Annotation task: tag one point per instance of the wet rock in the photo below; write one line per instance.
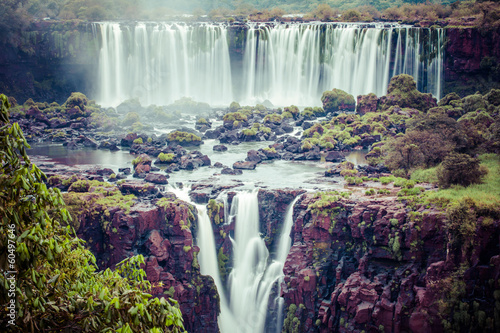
(126, 171)
(244, 165)
(229, 171)
(138, 188)
(255, 156)
(156, 178)
(335, 157)
(220, 148)
(128, 140)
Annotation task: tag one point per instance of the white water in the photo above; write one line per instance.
(159, 63)
(286, 64)
(295, 64)
(254, 274)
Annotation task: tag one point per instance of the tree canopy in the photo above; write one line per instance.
(58, 287)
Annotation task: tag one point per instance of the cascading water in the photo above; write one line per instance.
(162, 62)
(295, 63)
(283, 63)
(253, 275)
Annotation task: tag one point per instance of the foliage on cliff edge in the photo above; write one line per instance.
(57, 286)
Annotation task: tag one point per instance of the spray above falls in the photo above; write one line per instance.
(285, 64)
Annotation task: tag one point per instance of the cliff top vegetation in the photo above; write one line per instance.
(17, 14)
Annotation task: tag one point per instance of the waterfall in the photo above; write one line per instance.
(159, 63)
(295, 63)
(254, 273)
(292, 63)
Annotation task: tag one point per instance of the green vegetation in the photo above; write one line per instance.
(214, 211)
(337, 100)
(58, 286)
(183, 138)
(166, 157)
(460, 169)
(485, 195)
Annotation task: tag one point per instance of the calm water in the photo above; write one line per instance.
(272, 174)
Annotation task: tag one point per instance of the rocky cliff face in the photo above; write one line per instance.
(162, 231)
(472, 60)
(380, 266)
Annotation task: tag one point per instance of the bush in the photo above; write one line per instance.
(166, 157)
(460, 169)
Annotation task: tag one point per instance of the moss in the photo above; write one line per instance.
(249, 132)
(183, 137)
(166, 157)
(337, 100)
(273, 118)
(214, 209)
(76, 99)
(138, 141)
(235, 116)
(130, 119)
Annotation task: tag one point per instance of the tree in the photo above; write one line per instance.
(460, 169)
(57, 286)
(415, 149)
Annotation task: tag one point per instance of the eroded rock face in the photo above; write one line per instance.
(374, 266)
(162, 232)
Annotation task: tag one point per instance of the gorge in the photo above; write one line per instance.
(272, 177)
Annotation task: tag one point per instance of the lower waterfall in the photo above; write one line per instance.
(244, 301)
(254, 274)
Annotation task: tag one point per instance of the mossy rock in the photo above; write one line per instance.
(77, 99)
(338, 100)
(130, 119)
(402, 91)
(184, 138)
(446, 100)
(474, 102)
(493, 97)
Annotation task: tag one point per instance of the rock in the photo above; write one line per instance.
(128, 140)
(287, 128)
(126, 171)
(245, 165)
(104, 172)
(108, 145)
(335, 157)
(306, 125)
(220, 148)
(338, 100)
(156, 178)
(402, 92)
(366, 103)
(229, 171)
(138, 188)
(255, 156)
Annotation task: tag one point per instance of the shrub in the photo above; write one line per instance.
(166, 157)
(460, 169)
(76, 99)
